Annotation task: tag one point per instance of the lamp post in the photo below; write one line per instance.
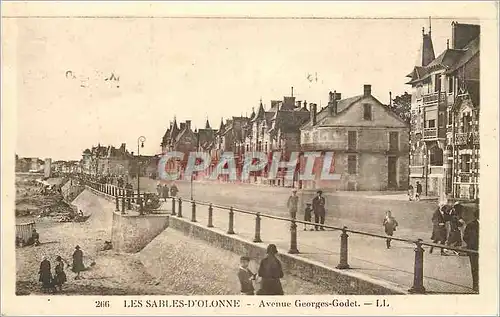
(140, 141)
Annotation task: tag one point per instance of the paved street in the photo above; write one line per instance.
(367, 255)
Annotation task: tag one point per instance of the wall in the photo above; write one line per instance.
(342, 282)
(132, 233)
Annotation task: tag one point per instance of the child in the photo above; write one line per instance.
(307, 215)
(246, 277)
(390, 225)
(410, 193)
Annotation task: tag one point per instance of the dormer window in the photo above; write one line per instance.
(367, 111)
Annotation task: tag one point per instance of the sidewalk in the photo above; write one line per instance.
(442, 274)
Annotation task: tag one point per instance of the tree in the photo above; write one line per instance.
(401, 106)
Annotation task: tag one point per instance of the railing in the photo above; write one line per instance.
(461, 138)
(434, 97)
(475, 137)
(177, 211)
(465, 177)
(430, 133)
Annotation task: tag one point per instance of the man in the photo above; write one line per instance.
(439, 233)
(419, 191)
(34, 239)
(318, 205)
(292, 204)
(471, 238)
(78, 262)
(246, 277)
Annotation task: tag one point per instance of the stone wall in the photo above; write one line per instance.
(339, 281)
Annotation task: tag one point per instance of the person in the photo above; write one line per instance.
(246, 277)
(159, 189)
(80, 214)
(410, 192)
(78, 262)
(271, 272)
(45, 274)
(292, 204)
(455, 219)
(419, 191)
(173, 190)
(34, 239)
(308, 215)
(165, 192)
(439, 219)
(59, 275)
(471, 238)
(318, 205)
(390, 224)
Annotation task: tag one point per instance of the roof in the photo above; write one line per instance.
(342, 105)
(468, 53)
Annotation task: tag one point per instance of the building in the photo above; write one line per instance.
(369, 141)
(444, 152)
(106, 160)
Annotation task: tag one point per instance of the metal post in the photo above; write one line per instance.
(231, 221)
(418, 273)
(343, 264)
(123, 204)
(210, 216)
(257, 228)
(179, 212)
(173, 206)
(129, 201)
(141, 206)
(293, 238)
(193, 211)
(117, 203)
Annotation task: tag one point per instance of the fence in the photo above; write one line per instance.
(24, 231)
(177, 210)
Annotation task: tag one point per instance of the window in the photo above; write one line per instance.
(352, 140)
(466, 123)
(367, 111)
(466, 163)
(431, 123)
(436, 156)
(393, 141)
(450, 118)
(450, 84)
(352, 163)
(437, 83)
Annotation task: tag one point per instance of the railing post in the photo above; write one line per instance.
(141, 206)
(179, 212)
(230, 230)
(344, 251)
(257, 228)
(293, 238)
(123, 204)
(117, 203)
(418, 273)
(129, 200)
(193, 211)
(210, 216)
(173, 206)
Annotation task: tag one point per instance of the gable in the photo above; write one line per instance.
(353, 116)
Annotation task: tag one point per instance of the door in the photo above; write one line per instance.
(392, 172)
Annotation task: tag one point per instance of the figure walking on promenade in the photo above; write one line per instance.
(308, 215)
(292, 204)
(173, 190)
(456, 221)
(390, 223)
(165, 192)
(271, 272)
(439, 219)
(419, 191)
(78, 262)
(318, 205)
(471, 238)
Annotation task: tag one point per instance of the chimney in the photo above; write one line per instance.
(390, 99)
(292, 91)
(183, 125)
(188, 124)
(299, 104)
(367, 90)
(313, 113)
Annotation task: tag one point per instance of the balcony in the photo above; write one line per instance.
(467, 138)
(416, 171)
(475, 137)
(430, 133)
(465, 177)
(434, 98)
(436, 170)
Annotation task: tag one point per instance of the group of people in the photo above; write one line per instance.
(54, 282)
(269, 275)
(317, 206)
(164, 191)
(414, 194)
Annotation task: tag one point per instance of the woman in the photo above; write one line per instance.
(59, 275)
(439, 233)
(456, 222)
(270, 272)
(45, 275)
(78, 262)
(165, 192)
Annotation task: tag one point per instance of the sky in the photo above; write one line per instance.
(193, 69)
